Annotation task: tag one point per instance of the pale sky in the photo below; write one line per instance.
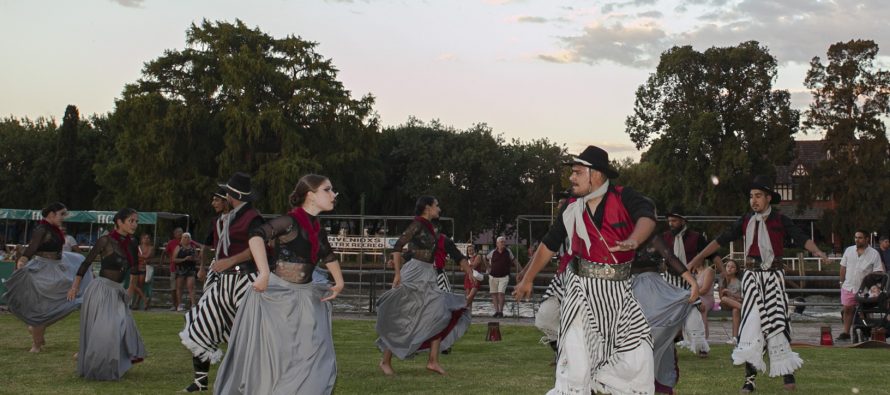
(565, 70)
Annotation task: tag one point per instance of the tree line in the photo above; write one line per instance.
(237, 99)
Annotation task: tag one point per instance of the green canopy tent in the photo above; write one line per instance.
(91, 217)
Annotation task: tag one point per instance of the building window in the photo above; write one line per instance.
(800, 171)
(786, 191)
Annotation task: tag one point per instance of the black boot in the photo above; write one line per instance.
(789, 383)
(750, 376)
(202, 369)
(555, 346)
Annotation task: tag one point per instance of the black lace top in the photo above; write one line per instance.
(422, 244)
(43, 239)
(290, 242)
(654, 255)
(113, 259)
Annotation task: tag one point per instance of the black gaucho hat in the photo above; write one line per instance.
(677, 211)
(765, 184)
(595, 158)
(238, 187)
(220, 191)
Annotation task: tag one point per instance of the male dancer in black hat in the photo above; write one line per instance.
(765, 317)
(209, 323)
(686, 244)
(604, 339)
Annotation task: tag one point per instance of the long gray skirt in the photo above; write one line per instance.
(417, 311)
(109, 340)
(665, 307)
(38, 293)
(280, 343)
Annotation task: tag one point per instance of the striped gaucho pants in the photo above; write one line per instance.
(442, 280)
(604, 340)
(209, 323)
(765, 324)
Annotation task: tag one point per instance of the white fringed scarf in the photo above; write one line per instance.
(766, 247)
(573, 216)
(680, 246)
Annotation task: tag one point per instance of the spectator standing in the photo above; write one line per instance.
(858, 261)
(884, 250)
(186, 259)
(70, 243)
(169, 250)
(501, 261)
(474, 282)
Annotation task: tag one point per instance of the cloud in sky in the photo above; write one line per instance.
(130, 3)
(633, 45)
(793, 30)
(531, 19)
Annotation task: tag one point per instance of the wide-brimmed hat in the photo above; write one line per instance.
(238, 187)
(677, 211)
(765, 184)
(595, 158)
(220, 191)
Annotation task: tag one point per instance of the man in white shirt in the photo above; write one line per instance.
(70, 243)
(859, 260)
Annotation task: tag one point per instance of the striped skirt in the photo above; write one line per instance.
(208, 324)
(604, 339)
(765, 324)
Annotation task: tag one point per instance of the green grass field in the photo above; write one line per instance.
(516, 365)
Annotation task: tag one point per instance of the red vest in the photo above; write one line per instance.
(238, 232)
(776, 231)
(617, 226)
(690, 243)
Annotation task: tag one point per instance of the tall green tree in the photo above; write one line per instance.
(712, 113)
(64, 186)
(26, 148)
(850, 103)
(238, 99)
(481, 180)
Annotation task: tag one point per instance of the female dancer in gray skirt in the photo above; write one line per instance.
(37, 293)
(109, 340)
(415, 314)
(664, 305)
(281, 337)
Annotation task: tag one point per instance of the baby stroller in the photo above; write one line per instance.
(873, 306)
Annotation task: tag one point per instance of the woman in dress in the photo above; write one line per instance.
(186, 260)
(281, 337)
(109, 341)
(472, 283)
(137, 276)
(37, 293)
(415, 315)
(731, 294)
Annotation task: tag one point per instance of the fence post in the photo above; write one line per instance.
(372, 292)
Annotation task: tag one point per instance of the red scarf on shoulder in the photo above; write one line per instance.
(124, 243)
(54, 228)
(440, 254)
(312, 227)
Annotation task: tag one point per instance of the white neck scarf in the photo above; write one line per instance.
(680, 246)
(225, 220)
(573, 216)
(766, 247)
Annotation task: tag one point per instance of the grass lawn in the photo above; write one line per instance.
(517, 365)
